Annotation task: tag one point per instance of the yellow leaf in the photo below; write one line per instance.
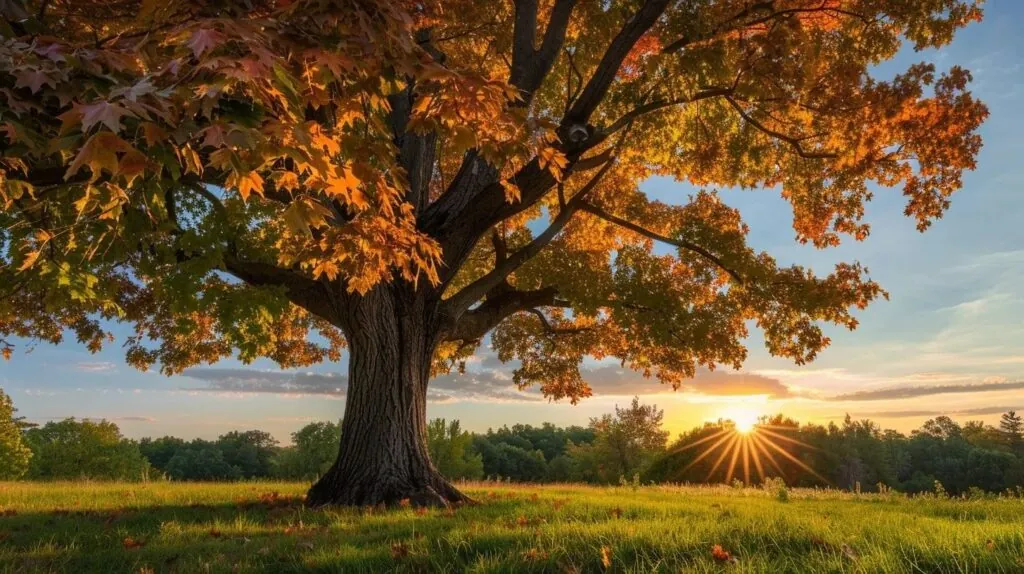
(512, 192)
(191, 161)
(248, 183)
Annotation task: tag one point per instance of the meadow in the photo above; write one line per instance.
(264, 527)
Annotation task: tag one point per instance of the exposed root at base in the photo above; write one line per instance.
(329, 491)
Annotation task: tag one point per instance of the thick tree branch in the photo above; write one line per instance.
(300, 290)
(598, 85)
(475, 177)
(680, 243)
(417, 153)
(461, 301)
(474, 324)
(529, 65)
(793, 141)
(552, 330)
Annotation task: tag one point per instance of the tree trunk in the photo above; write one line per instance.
(383, 458)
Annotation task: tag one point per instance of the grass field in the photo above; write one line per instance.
(263, 527)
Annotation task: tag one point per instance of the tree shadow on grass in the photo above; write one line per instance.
(271, 536)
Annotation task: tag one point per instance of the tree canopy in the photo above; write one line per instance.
(223, 175)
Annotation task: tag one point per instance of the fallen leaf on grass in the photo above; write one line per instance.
(535, 555)
(606, 557)
(990, 544)
(214, 533)
(722, 555)
(130, 543)
(399, 550)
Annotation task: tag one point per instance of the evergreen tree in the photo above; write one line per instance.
(1012, 426)
(14, 455)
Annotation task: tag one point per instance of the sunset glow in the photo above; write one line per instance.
(744, 417)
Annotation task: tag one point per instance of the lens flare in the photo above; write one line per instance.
(743, 443)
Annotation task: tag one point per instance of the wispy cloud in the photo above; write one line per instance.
(266, 381)
(95, 366)
(923, 391)
(613, 380)
(488, 385)
(994, 410)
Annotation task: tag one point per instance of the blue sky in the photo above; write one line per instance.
(950, 340)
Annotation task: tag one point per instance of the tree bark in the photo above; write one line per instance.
(383, 457)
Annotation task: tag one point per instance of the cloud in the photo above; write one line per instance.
(995, 410)
(490, 385)
(614, 380)
(486, 380)
(95, 366)
(132, 419)
(265, 381)
(923, 391)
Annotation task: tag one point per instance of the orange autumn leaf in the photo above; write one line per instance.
(720, 554)
(130, 543)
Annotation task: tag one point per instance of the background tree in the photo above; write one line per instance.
(14, 455)
(250, 452)
(160, 451)
(625, 444)
(506, 461)
(83, 449)
(451, 452)
(313, 449)
(403, 178)
(1012, 427)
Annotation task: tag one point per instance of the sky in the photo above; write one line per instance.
(950, 341)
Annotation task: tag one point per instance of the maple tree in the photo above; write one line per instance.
(398, 180)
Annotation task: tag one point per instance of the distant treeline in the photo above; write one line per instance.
(628, 445)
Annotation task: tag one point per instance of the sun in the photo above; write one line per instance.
(744, 417)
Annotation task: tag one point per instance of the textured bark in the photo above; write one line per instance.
(383, 456)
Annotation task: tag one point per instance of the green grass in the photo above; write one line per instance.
(190, 528)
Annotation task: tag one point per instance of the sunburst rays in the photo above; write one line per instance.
(748, 448)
